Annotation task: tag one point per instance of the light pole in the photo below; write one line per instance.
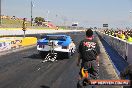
(31, 12)
(0, 13)
(130, 16)
(48, 15)
(64, 18)
(56, 19)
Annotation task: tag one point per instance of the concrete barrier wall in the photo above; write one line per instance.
(123, 48)
(17, 43)
(8, 43)
(29, 41)
(118, 44)
(33, 31)
(129, 53)
(4, 46)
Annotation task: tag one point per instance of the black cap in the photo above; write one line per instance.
(89, 32)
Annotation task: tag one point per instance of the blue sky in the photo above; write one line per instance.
(87, 13)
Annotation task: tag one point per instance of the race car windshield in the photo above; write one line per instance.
(61, 38)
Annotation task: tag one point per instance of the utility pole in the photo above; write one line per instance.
(130, 18)
(0, 13)
(48, 15)
(31, 12)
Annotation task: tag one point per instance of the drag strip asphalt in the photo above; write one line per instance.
(24, 69)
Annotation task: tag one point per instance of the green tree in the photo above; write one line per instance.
(39, 20)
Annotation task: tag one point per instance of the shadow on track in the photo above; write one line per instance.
(33, 56)
(44, 86)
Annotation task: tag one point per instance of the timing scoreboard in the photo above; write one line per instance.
(75, 24)
(105, 25)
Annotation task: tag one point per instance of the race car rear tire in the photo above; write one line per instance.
(42, 54)
(68, 55)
